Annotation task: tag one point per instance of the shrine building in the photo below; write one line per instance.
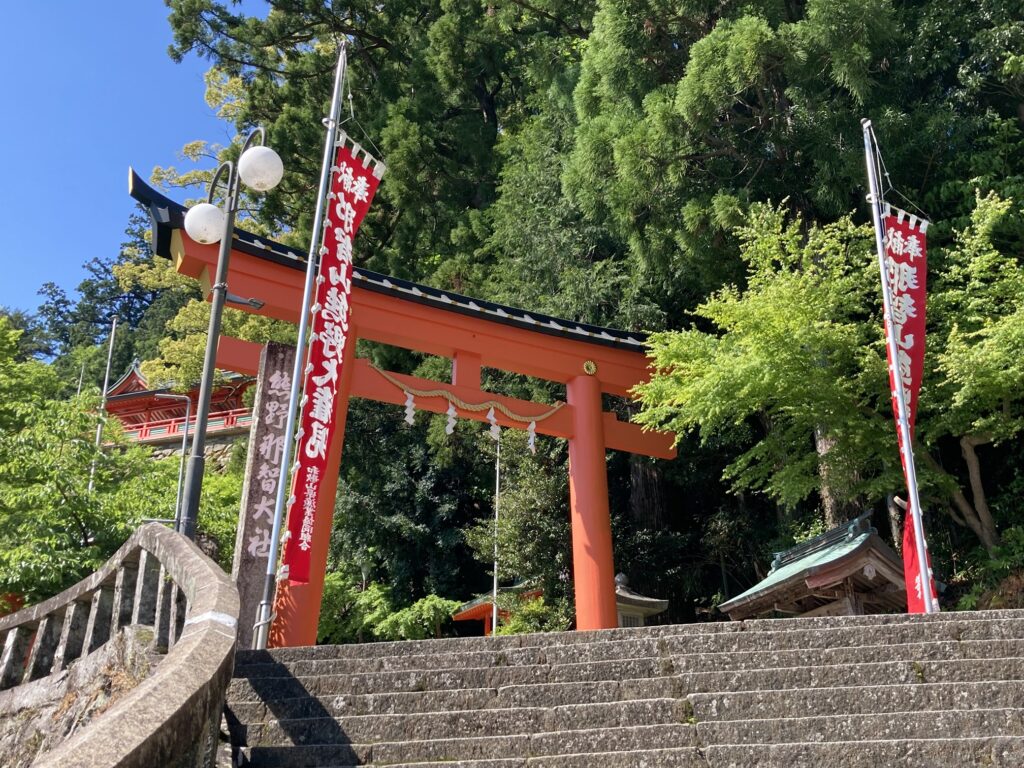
(149, 417)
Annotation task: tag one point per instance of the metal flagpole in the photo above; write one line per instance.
(907, 448)
(184, 451)
(497, 496)
(264, 618)
(103, 400)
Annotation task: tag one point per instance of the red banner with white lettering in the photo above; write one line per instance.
(906, 271)
(354, 181)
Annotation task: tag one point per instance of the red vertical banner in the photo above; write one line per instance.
(906, 271)
(911, 571)
(354, 181)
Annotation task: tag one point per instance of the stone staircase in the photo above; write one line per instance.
(942, 690)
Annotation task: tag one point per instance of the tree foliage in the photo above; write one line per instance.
(799, 352)
(65, 504)
(53, 529)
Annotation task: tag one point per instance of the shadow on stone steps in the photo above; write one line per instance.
(335, 742)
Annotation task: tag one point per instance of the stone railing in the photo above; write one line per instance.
(161, 580)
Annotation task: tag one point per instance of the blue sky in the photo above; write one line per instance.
(88, 90)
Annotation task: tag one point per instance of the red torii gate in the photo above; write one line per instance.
(588, 360)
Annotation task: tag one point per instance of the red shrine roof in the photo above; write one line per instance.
(131, 381)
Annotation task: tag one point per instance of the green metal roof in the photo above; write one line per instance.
(805, 559)
(801, 567)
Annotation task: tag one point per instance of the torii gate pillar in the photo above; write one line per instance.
(593, 566)
(298, 605)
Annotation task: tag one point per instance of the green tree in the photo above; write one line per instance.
(799, 351)
(53, 530)
(33, 341)
(351, 610)
(690, 113)
(404, 493)
(422, 620)
(533, 535)
(434, 86)
(978, 380)
(536, 615)
(789, 351)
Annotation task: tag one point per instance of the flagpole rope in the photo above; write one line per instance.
(366, 134)
(460, 403)
(888, 180)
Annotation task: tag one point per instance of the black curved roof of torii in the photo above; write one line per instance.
(168, 215)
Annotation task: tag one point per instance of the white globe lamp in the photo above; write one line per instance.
(204, 223)
(260, 168)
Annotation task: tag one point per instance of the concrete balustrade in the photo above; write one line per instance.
(158, 579)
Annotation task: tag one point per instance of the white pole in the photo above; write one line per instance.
(263, 618)
(103, 401)
(497, 497)
(901, 405)
(184, 451)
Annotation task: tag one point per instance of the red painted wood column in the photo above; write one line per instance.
(593, 566)
(466, 370)
(298, 605)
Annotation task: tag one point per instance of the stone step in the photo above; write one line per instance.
(846, 691)
(304, 756)
(604, 740)
(407, 702)
(937, 650)
(809, 641)
(490, 644)
(635, 738)
(679, 757)
(549, 686)
(889, 725)
(877, 619)
(989, 751)
(555, 694)
(269, 688)
(450, 725)
(278, 663)
(463, 645)
(863, 675)
(412, 662)
(774, 704)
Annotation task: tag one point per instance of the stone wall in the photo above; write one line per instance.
(219, 449)
(35, 718)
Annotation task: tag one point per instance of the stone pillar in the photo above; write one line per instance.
(593, 567)
(262, 470)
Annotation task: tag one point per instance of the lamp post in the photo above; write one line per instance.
(260, 168)
(184, 449)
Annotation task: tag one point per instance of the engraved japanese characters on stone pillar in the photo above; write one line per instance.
(262, 468)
